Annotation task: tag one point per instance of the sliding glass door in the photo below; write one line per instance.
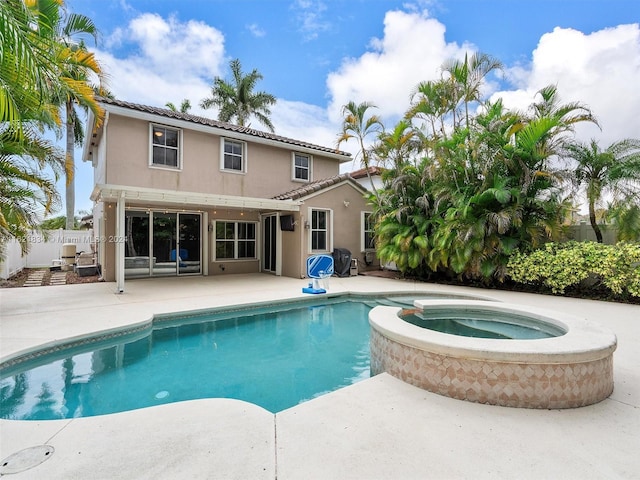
(173, 238)
(269, 250)
(189, 244)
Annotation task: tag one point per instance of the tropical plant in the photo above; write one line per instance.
(236, 99)
(25, 65)
(467, 77)
(357, 125)
(26, 192)
(75, 88)
(34, 69)
(432, 102)
(185, 106)
(58, 222)
(397, 147)
(626, 218)
(407, 217)
(559, 266)
(614, 171)
(487, 184)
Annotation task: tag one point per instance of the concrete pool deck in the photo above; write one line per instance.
(380, 428)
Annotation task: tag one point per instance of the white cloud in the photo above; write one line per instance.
(310, 16)
(173, 60)
(256, 31)
(600, 70)
(412, 50)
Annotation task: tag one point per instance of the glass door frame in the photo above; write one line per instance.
(269, 243)
(183, 266)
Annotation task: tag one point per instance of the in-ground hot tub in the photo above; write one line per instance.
(572, 369)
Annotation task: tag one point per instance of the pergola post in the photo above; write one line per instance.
(119, 239)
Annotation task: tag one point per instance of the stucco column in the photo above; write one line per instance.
(119, 239)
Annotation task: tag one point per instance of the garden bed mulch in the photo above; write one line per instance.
(19, 279)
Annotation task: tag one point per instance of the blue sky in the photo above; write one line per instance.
(315, 56)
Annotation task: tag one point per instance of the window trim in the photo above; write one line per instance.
(151, 145)
(329, 230)
(363, 232)
(235, 240)
(244, 156)
(309, 168)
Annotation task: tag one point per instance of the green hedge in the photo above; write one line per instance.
(561, 265)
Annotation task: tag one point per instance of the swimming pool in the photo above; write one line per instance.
(275, 357)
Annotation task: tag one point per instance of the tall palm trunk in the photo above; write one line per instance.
(594, 224)
(69, 167)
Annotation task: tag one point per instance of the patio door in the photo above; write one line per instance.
(174, 240)
(269, 243)
(164, 241)
(188, 243)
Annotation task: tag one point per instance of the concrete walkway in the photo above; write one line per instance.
(380, 428)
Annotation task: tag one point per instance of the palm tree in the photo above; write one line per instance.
(185, 106)
(34, 68)
(614, 171)
(431, 102)
(468, 76)
(26, 66)
(75, 88)
(237, 101)
(26, 193)
(398, 146)
(357, 125)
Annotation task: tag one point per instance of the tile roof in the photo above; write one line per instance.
(313, 187)
(373, 170)
(164, 112)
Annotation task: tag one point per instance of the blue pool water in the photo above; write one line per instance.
(275, 359)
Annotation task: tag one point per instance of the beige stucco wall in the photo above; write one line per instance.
(293, 252)
(123, 159)
(347, 229)
(269, 169)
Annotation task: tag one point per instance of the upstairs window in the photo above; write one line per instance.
(165, 146)
(233, 156)
(301, 167)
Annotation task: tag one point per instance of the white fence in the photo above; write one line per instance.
(44, 250)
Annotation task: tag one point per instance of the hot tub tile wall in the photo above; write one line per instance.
(495, 383)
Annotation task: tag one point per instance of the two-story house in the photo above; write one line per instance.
(178, 194)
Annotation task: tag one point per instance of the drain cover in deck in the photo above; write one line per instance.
(25, 459)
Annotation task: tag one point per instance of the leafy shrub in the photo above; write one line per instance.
(560, 265)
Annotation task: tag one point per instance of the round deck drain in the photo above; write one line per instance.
(25, 459)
